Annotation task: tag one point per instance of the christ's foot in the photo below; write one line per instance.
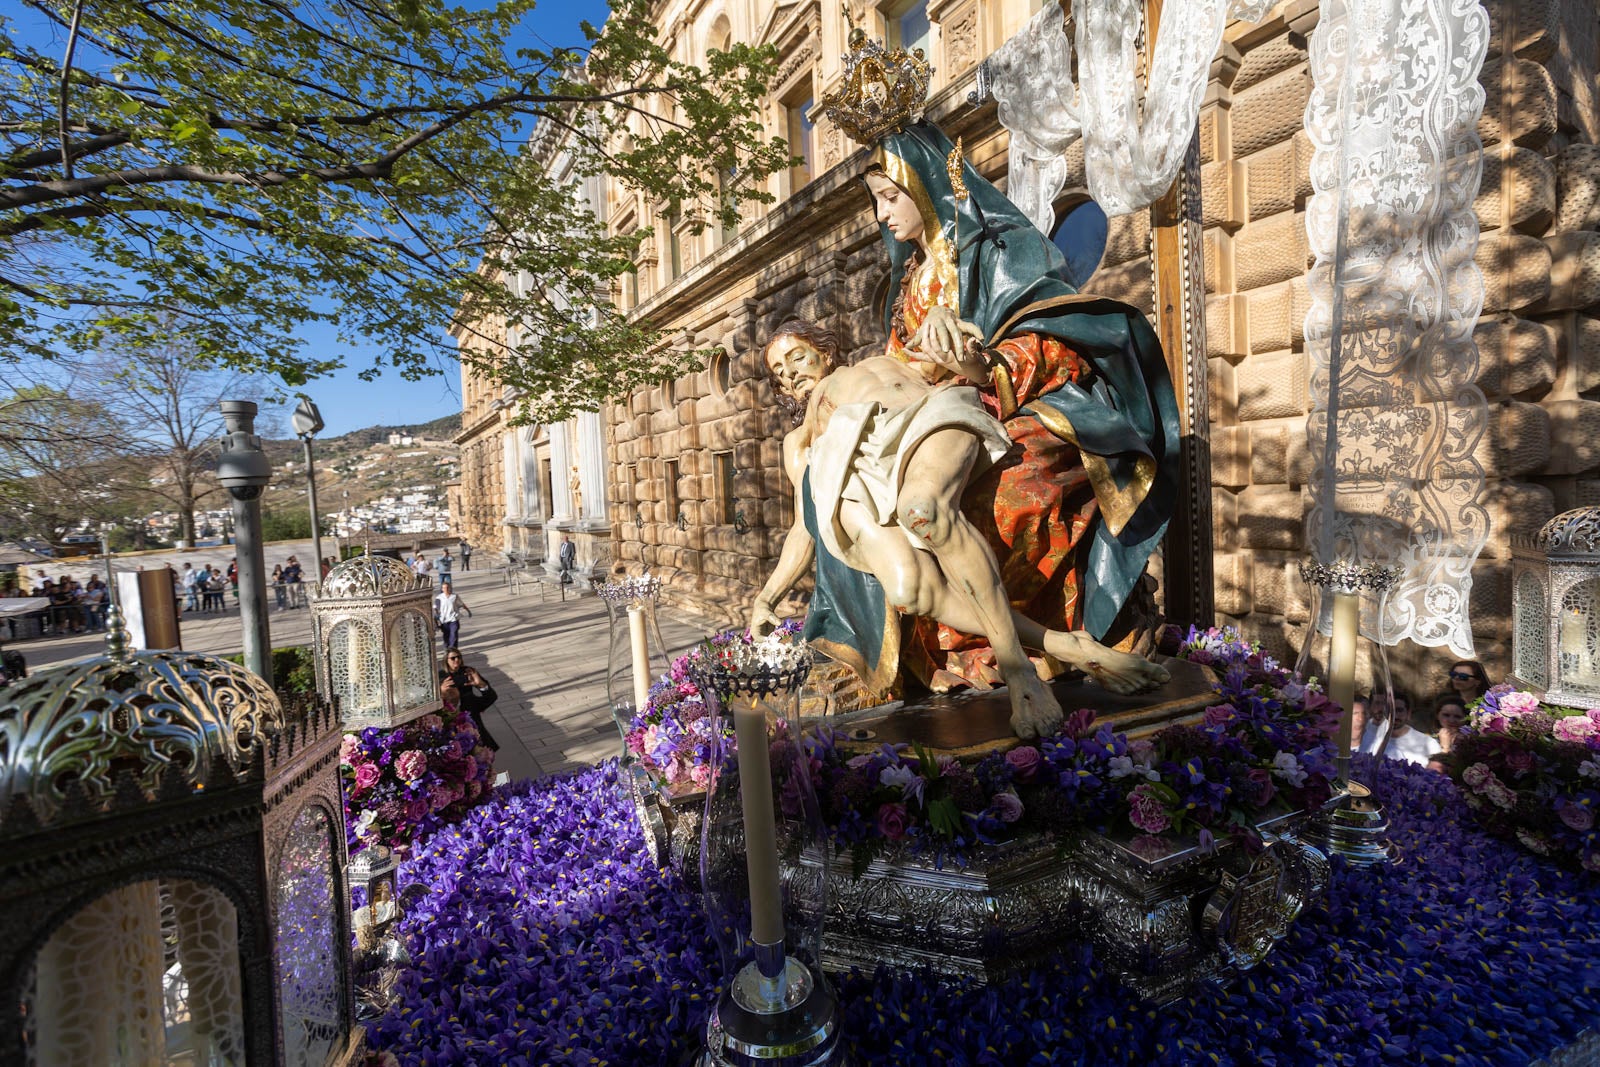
(1116, 672)
(1034, 711)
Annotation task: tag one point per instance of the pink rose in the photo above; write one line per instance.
(1594, 716)
(1146, 811)
(1007, 806)
(416, 810)
(1577, 816)
(367, 775)
(1499, 795)
(1574, 728)
(411, 765)
(1519, 759)
(1518, 703)
(1219, 715)
(350, 750)
(700, 776)
(474, 790)
(893, 821)
(439, 798)
(636, 742)
(1024, 762)
(471, 769)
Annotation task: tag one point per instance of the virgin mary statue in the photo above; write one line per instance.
(1078, 381)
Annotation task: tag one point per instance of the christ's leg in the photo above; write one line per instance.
(929, 507)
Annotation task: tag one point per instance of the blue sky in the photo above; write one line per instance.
(346, 402)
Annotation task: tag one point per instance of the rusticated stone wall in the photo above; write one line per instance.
(1539, 335)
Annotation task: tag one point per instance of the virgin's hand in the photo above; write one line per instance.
(762, 620)
(943, 337)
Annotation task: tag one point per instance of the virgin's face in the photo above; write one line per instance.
(796, 366)
(894, 208)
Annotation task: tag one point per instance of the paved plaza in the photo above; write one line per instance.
(545, 658)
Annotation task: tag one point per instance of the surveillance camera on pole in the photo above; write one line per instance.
(244, 471)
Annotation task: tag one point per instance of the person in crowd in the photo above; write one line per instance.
(62, 603)
(1468, 680)
(447, 609)
(446, 565)
(233, 577)
(327, 565)
(216, 588)
(95, 596)
(475, 694)
(1406, 742)
(567, 556)
(424, 566)
(279, 587)
(294, 580)
(466, 555)
(186, 579)
(177, 590)
(1450, 712)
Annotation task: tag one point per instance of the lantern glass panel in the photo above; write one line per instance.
(411, 659)
(145, 974)
(1579, 637)
(355, 667)
(307, 946)
(1532, 627)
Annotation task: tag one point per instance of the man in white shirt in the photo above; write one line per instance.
(447, 609)
(1406, 742)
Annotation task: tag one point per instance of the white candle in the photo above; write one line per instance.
(641, 657)
(1342, 662)
(760, 822)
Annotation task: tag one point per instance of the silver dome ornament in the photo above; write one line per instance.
(163, 721)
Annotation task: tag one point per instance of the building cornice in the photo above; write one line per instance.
(826, 205)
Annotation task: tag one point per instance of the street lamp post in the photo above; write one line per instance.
(307, 424)
(244, 471)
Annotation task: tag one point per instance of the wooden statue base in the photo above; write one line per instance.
(970, 724)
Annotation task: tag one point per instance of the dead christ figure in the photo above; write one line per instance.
(879, 465)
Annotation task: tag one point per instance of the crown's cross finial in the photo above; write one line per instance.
(884, 90)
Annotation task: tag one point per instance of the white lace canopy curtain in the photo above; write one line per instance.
(1394, 297)
(1131, 157)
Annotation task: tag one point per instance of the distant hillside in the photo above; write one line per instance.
(361, 466)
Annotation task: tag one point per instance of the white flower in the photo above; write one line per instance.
(1121, 766)
(1287, 767)
(1589, 769)
(364, 825)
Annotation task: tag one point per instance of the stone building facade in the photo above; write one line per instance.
(523, 487)
(695, 481)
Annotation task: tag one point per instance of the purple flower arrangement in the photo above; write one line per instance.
(1264, 748)
(1531, 772)
(547, 936)
(398, 780)
(671, 737)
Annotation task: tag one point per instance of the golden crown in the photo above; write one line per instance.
(884, 90)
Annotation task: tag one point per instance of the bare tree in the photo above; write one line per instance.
(163, 397)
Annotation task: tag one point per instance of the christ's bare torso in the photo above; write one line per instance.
(876, 380)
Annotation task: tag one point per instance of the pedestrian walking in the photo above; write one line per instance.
(447, 609)
(567, 554)
(191, 592)
(466, 556)
(280, 589)
(445, 564)
(475, 694)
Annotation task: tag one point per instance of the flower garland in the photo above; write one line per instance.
(1531, 772)
(399, 780)
(546, 935)
(1264, 748)
(671, 737)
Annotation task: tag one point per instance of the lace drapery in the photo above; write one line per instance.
(1394, 296)
(1131, 154)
